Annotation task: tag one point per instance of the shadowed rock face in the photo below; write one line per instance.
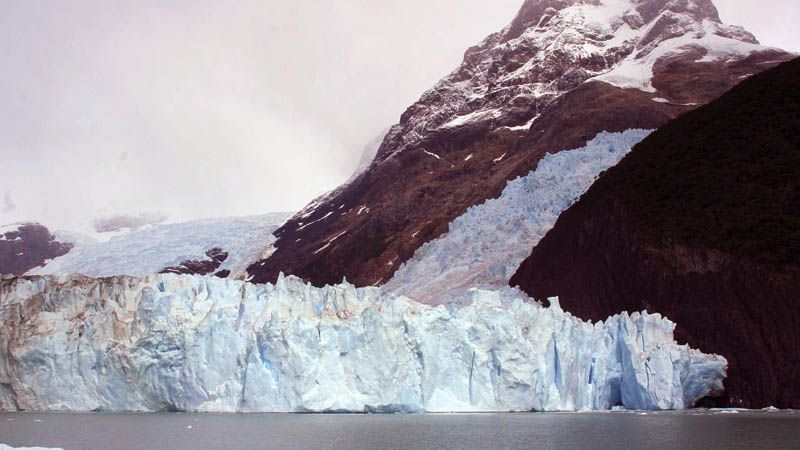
(701, 222)
(27, 246)
(529, 89)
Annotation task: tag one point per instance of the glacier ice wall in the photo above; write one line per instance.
(484, 246)
(189, 343)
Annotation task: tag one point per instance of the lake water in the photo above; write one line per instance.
(684, 430)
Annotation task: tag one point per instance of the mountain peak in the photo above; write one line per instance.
(531, 13)
(536, 13)
(560, 73)
(552, 47)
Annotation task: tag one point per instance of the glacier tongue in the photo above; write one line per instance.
(486, 245)
(189, 343)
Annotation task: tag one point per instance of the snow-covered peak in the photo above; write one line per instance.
(533, 12)
(552, 47)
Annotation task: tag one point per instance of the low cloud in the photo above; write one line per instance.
(199, 109)
(8, 203)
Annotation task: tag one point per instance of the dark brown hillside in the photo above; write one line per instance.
(413, 198)
(701, 222)
(28, 245)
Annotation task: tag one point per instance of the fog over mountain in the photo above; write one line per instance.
(201, 109)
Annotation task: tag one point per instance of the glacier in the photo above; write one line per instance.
(151, 249)
(484, 246)
(191, 343)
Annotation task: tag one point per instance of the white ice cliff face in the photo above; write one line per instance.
(190, 343)
(485, 246)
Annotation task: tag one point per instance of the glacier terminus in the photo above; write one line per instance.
(192, 343)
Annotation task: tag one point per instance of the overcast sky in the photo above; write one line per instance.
(215, 108)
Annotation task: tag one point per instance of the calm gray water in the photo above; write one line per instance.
(685, 430)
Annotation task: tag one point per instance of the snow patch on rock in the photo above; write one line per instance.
(718, 41)
(8, 447)
(510, 77)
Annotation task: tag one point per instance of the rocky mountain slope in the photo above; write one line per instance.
(24, 246)
(701, 222)
(482, 246)
(190, 343)
(560, 74)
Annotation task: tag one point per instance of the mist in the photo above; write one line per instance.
(211, 108)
